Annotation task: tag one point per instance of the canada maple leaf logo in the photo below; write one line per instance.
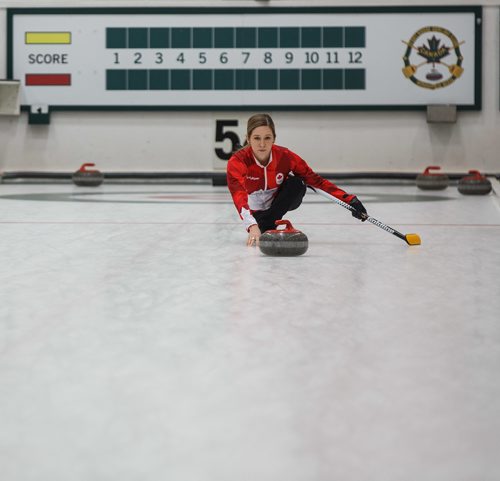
(433, 52)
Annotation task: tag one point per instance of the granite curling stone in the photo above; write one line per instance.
(432, 181)
(474, 184)
(85, 177)
(284, 242)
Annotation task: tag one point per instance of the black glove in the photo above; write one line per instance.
(360, 212)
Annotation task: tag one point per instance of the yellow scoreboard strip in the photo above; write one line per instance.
(47, 38)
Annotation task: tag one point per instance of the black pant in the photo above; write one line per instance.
(289, 197)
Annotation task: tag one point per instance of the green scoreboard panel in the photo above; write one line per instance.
(254, 50)
(246, 58)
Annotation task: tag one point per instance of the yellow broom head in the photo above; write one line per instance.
(409, 71)
(413, 239)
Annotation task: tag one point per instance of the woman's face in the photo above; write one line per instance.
(261, 141)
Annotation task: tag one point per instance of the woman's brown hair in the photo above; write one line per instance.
(259, 120)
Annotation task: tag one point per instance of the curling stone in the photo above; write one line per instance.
(431, 181)
(284, 242)
(85, 177)
(474, 184)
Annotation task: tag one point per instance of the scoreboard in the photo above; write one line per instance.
(245, 58)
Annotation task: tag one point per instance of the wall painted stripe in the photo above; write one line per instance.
(48, 38)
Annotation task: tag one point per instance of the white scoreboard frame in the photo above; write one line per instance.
(388, 72)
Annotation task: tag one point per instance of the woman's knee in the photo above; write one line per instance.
(296, 191)
(296, 184)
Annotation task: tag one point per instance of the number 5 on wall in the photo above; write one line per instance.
(221, 134)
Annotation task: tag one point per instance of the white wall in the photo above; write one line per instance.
(330, 141)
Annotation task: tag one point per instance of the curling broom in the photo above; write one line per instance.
(410, 239)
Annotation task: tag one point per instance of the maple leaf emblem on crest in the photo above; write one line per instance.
(433, 52)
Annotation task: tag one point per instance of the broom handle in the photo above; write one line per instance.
(365, 216)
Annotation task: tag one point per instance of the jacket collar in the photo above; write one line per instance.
(259, 164)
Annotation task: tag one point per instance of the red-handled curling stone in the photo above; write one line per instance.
(283, 242)
(85, 177)
(474, 184)
(432, 181)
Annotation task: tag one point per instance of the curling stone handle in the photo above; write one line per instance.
(285, 222)
(83, 168)
(431, 167)
(475, 173)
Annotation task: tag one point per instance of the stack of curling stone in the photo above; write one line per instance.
(432, 181)
(85, 177)
(474, 184)
(284, 242)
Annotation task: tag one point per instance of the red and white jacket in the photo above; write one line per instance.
(254, 186)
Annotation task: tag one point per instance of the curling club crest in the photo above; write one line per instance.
(433, 59)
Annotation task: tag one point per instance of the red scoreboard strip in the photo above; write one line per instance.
(59, 79)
